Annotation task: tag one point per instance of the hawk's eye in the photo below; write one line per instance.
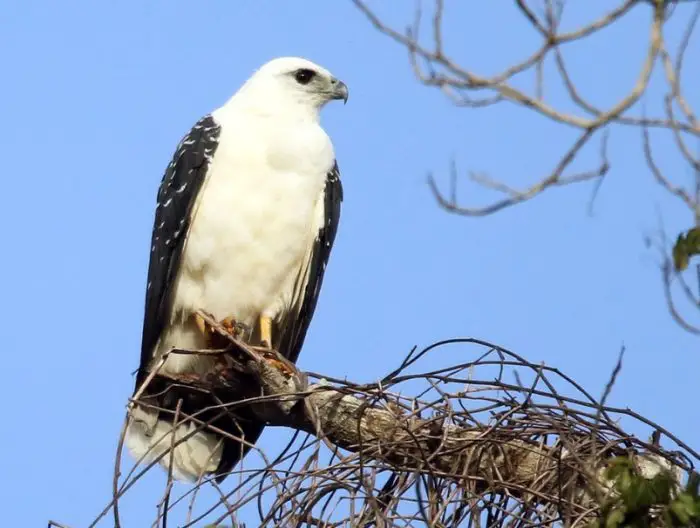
(304, 76)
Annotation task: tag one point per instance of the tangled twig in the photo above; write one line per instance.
(495, 437)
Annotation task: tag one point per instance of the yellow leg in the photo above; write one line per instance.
(201, 325)
(266, 331)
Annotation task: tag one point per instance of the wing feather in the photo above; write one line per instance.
(177, 195)
(296, 322)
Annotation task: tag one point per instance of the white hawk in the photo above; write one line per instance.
(247, 214)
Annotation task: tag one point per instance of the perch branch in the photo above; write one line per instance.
(381, 429)
(427, 444)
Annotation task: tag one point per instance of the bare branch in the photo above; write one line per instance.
(467, 445)
(435, 66)
(659, 175)
(682, 321)
(555, 178)
(454, 80)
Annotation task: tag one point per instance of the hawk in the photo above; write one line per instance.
(246, 218)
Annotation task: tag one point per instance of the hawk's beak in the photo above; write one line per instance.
(340, 90)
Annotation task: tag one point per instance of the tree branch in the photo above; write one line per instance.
(436, 66)
(551, 456)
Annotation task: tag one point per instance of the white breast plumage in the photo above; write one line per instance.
(255, 221)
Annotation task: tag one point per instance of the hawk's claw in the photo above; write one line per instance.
(234, 328)
(242, 329)
(276, 363)
(229, 325)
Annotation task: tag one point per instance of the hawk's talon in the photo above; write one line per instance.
(272, 360)
(234, 328)
(213, 336)
(242, 329)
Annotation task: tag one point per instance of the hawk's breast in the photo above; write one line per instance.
(253, 224)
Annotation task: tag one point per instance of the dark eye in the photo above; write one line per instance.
(304, 76)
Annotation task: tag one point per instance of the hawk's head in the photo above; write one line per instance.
(292, 83)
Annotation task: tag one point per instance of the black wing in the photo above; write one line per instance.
(293, 329)
(176, 196)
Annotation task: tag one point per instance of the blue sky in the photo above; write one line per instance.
(97, 94)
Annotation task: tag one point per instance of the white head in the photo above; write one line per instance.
(291, 86)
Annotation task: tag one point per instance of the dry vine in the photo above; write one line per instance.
(494, 441)
(437, 67)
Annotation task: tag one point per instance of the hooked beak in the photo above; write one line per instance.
(340, 90)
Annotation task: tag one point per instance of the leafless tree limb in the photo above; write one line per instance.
(456, 81)
(436, 67)
(668, 276)
(470, 443)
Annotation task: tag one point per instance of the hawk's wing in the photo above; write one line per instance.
(177, 195)
(296, 322)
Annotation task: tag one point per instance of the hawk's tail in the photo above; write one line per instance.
(207, 440)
